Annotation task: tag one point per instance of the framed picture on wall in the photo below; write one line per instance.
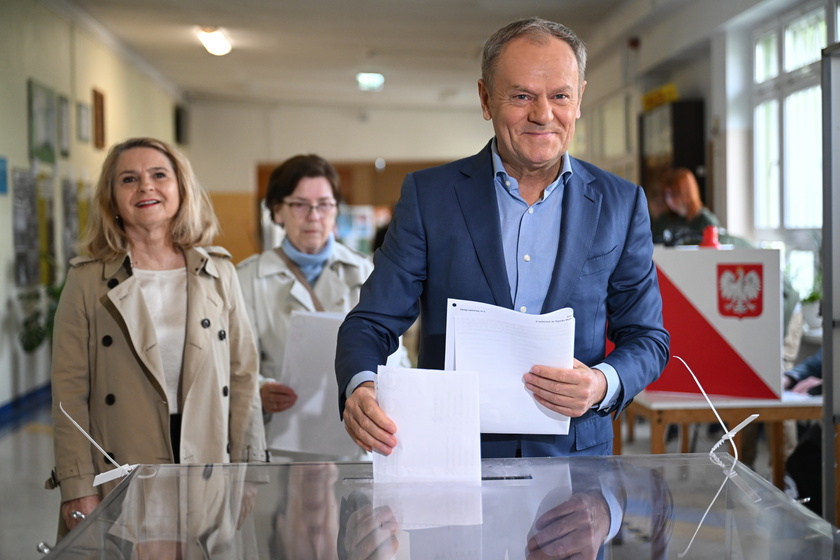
(63, 126)
(98, 119)
(42, 122)
(83, 122)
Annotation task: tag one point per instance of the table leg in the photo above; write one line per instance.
(777, 454)
(684, 437)
(617, 435)
(657, 434)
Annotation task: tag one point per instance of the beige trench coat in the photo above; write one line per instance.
(272, 293)
(108, 376)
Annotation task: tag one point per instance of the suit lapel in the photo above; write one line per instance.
(480, 209)
(581, 211)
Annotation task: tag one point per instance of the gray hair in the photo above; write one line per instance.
(536, 29)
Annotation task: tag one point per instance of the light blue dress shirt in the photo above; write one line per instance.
(530, 238)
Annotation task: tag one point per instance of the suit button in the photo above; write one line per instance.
(112, 283)
(205, 323)
(222, 335)
(225, 391)
(107, 340)
(110, 399)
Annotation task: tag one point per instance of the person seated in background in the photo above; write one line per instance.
(686, 217)
(805, 377)
(308, 271)
(803, 467)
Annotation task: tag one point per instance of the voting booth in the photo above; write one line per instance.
(723, 309)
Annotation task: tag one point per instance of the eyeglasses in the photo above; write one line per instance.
(302, 209)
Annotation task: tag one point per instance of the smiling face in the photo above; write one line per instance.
(533, 101)
(308, 233)
(145, 191)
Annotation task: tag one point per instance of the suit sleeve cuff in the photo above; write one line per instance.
(613, 386)
(358, 379)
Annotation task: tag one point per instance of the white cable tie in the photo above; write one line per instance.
(90, 439)
(729, 473)
(101, 478)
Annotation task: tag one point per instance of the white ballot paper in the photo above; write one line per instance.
(312, 425)
(436, 413)
(503, 345)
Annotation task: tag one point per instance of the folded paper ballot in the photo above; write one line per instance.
(502, 345)
(436, 413)
(311, 426)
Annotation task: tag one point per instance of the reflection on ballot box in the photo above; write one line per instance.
(617, 508)
(723, 309)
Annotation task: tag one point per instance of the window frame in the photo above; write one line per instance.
(779, 88)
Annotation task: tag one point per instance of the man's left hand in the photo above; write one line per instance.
(571, 392)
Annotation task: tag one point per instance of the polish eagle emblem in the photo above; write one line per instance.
(740, 288)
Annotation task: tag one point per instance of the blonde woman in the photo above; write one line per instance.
(153, 354)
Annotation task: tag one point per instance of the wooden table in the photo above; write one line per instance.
(663, 409)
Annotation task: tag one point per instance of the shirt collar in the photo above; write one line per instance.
(511, 184)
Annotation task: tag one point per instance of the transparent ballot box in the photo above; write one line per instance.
(617, 507)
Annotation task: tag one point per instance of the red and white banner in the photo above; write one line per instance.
(723, 309)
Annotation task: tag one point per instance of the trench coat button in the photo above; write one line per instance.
(110, 399)
(208, 471)
(112, 456)
(205, 323)
(222, 335)
(112, 283)
(107, 340)
(225, 391)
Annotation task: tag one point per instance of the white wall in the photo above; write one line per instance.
(38, 43)
(229, 139)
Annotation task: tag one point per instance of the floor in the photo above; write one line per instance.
(28, 512)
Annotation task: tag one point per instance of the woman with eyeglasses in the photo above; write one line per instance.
(308, 271)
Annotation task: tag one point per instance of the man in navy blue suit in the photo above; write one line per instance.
(525, 226)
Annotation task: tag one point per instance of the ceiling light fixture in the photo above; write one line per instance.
(370, 81)
(214, 40)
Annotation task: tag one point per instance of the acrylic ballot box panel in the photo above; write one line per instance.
(651, 506)
(723, 309)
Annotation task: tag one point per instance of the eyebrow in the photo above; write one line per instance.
(134, 172)
(329, 198)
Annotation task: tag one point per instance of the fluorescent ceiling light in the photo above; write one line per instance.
(214, 40)
(370, 81)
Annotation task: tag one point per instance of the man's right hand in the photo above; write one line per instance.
(83, 505)
(276, 397)
(366, 423)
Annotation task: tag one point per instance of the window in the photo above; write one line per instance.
(787, 138)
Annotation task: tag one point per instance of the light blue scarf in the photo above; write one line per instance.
(310, 265)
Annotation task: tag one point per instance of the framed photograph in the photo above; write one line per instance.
(98, 119)
(42, 122)
(63, 126)
(83, 122)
